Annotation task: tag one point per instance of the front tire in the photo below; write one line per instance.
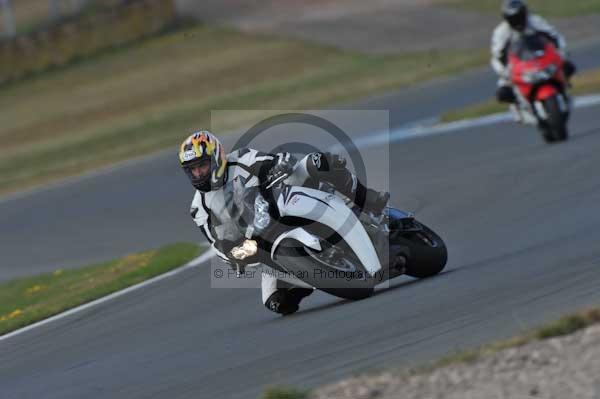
(555, 128)
(300, 262)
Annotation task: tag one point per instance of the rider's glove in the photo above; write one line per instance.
(245, 250)
(284, 166)
(241, 254)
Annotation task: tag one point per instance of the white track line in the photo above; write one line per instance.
(409, 132)
(192, 264)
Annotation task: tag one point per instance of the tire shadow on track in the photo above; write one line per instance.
(584, 134)
(406, 283)
(343, 302)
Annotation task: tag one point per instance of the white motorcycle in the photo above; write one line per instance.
(322, 239)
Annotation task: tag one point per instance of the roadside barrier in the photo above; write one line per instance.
(81, 35)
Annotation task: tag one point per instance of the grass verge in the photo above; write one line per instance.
(563, 326)
(585, 83)
(555, 8)
(147, 97)
(28, 300)
(284, 393)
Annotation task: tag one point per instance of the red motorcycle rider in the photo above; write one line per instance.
(517, 22)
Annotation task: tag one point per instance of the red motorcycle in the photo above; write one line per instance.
(541, 88)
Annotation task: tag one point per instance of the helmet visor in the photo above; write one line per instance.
(199, 171)
(517, 21)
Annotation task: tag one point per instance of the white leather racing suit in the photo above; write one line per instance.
(503, 36)
(208, 209)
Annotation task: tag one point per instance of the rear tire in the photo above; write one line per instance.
(428, 252)
(547, 134)
(557, 121)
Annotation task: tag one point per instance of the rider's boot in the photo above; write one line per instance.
(286, 301)
(506, 94)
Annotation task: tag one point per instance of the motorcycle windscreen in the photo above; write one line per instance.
(529, 47)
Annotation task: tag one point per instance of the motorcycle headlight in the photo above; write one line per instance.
(529, 77)
(550, 70)
(261, 213)
(533, 76)
(539, 76)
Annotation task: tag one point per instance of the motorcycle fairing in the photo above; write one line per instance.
(300, 235)
(331, 211)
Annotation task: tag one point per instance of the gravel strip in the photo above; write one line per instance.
(559, 368)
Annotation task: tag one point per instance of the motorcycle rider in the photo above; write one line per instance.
(208, 167)
(519, 21)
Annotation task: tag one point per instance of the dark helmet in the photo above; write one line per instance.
(203, 159)
(515, 13)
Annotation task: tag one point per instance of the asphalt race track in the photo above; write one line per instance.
(145, 204)
(521, 220)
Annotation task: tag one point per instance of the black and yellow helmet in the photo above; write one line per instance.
(203, 159)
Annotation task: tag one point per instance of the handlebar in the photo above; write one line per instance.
(278, 180)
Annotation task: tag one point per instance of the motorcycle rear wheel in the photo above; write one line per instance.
(428, 253)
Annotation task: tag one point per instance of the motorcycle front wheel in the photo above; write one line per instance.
(335, 269)
(554, 129)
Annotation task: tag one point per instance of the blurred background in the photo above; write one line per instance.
(87, 86)
(99, 81)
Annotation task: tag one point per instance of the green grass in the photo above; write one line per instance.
(28, 300)
(564, 326)
(140, 99)
(284, 393)
(487, 107)
(555, 8)
(586, 83)
(569, 324)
